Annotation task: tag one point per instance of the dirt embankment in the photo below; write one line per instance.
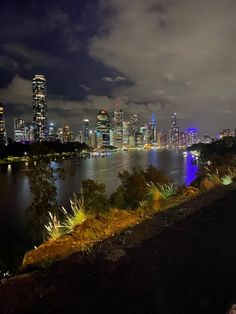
(181, 261)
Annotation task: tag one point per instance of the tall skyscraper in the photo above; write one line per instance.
(52, 136)
(3, 137)
(118, 128)
(174, 132)
(40, 108)
(133, 124)
(86, 131)
(29, 131)
(103, 129)
(125, 134)
(152, 128)
(19, 130)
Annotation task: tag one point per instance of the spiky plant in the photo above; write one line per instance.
(167, 190)
(54, 228)
(226, 180)
(214, 176)
(78, 215)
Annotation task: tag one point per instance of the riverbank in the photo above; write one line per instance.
(180, 261)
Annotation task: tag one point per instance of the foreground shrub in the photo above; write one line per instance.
(94, 195)
(135, 185)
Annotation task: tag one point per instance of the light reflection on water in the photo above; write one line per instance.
(15, 194)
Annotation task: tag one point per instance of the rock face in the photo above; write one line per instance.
(164, 265)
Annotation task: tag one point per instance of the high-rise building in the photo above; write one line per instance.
(40, 108)
(152, 128)
(133, 127)
(66, 133)
(52, 136)
(19, 130)
(86, 131)
(103, 129)
(145, 132)
(174, 132)
(118, 128)
(92, 138)
(191, 136)
(29, 132)
(162, 139)
(3, 137)
(125, 134)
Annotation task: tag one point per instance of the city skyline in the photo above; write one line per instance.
(155, 56)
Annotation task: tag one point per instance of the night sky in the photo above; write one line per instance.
(149, 56)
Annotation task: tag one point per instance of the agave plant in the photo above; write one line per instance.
(54, 228)
(226, 180)
(78, 215)
(167, 190)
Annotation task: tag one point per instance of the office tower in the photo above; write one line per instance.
(66, 133)
(174, 132)
(125, 134)
(19, 130)
(145, 132)
(152, 128)
(139, 139)
(191, 136)
(92, 138)
(40, 108)
(118, 128)
(183, 139)
(3, 137)
(162, 139)
(52, 136)
(103, 129)
(112, 142)
(86, 131)
(29, 131)
(133, 125)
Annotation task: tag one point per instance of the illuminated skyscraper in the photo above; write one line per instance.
(133, 125)
(125, 133)
(86, 131)
(29, 132)
(103, 129)
(40, 108)
(3, 137)
(19, 130)
(52, 136)
(118, 128)
(152, 128)
(174, 132)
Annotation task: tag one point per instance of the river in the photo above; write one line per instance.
(15, 195)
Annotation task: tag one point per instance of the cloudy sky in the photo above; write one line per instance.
(158, 56)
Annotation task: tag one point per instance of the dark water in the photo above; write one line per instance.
(15, 195)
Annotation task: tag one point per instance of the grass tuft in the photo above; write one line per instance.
(78, 215)
(54, 228)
